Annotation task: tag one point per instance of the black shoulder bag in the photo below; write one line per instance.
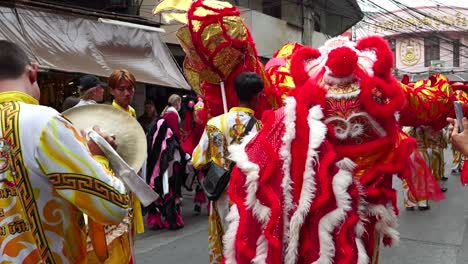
(217, 177)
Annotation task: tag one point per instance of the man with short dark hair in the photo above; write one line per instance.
(91, 90)
(220, 132)
(49, 173)
(149, 115)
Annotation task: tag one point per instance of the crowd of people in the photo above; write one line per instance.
(53, 175)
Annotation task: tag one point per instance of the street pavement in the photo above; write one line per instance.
(188, 245)
(437, 236)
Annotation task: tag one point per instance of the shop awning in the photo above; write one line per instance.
(72, 43)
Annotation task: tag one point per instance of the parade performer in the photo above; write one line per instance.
(165, 173)
(148, 116)
(171, 113)
(318, 176)
(221, 132)
(460, 91)
(215, 56)
(114, 243)
(91, 90)
(218, 46)
(195, 119)
(429, 103)
(437, 142)
(49, 176)
(431, 145)
(457, 161)
(420, 135)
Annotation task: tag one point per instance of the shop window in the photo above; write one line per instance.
(431, 50)
(456, 53)
(272, 8)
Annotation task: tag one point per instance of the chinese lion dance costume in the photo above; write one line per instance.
(315, 184)
(428, 103)
(218, 46)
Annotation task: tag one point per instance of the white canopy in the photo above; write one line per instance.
(72, 43)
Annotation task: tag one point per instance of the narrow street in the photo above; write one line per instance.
(187, 245)
(427, 237)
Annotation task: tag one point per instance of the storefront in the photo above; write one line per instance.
(67, 45)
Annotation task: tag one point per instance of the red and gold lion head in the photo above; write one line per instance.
(218, 46)
(353, 83)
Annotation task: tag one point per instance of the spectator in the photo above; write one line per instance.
(91, 90)
(171, 113)
(122, 87)
(149, 116)
(56, 175)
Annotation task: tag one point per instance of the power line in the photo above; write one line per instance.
(388, 13)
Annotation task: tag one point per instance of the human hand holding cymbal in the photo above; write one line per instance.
(94, 148)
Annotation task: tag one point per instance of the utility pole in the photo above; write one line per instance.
(308, 23)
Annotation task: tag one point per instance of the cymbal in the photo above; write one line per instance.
(129, 135)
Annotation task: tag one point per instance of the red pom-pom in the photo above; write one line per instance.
(342, 61)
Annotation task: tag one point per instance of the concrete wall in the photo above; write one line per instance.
(291, 12)
(269, 33)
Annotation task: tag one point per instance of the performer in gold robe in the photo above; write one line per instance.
(120, 238)
(220, 132)
(431, 145)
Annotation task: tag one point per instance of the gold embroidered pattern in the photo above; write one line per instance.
(89, 185)
(10, 129)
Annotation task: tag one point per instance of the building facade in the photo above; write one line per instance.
(73, 38)
(274, 23)
(424, 40)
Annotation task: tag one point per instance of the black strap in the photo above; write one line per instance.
(247, 129)
(249, 126)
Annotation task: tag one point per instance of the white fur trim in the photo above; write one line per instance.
(229, 238)
(366, 58)
(311, 64)
(317, 131)
(172, 110)
(261, 212)
(285, 154)
(251, 170)
(386, 221)
(329, 78)
(341, 181)
(363, 258)
(343, 95)
(350, 130)
(261, 251)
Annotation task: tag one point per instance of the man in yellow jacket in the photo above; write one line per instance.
(49, 174)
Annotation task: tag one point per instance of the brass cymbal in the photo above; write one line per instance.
(129, 135)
